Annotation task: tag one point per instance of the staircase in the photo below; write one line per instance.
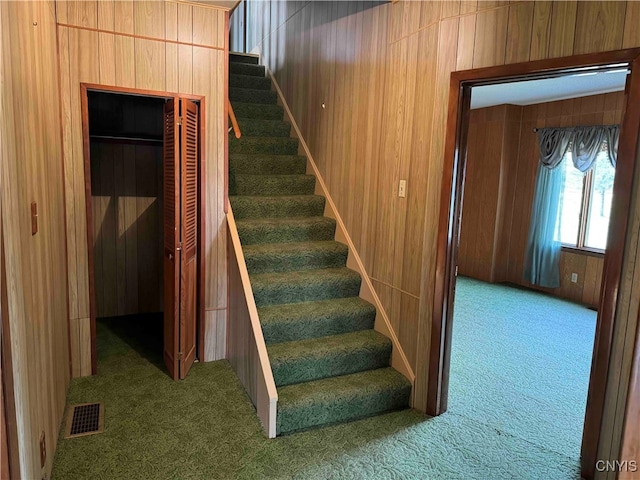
(328, 363)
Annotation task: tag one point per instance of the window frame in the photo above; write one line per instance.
(585, 208)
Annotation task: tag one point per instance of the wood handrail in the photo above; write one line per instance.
(246, 348)
(234, 121)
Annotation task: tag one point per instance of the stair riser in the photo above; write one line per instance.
(269, 146)
(246, 69)
(328, 413)
(256, 165)
(271, 185)
(266, 97)
(258, 112)
(248, 59)
(305, 292)
(316, 328)
(249, 81)
(264, 128)
(246, 207)
(308, 369)
(265, 263)
(289, 233)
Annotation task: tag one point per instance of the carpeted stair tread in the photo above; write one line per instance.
(259, 164)
(237, 68)
(299, 321)
(239, 57)
(249, 81)
(249, 95)
(268, 145)
(284, 257)
(264, 128)
(277, 206)
(257, 111)
(332, 356)
(270, 230)
(341, 399)
(243, 184)
(304, 286)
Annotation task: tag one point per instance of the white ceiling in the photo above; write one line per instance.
(548, 89)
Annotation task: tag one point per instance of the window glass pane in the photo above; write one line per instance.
(570, 202)
(600, 205)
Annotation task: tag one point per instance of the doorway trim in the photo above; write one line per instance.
(86, 150)
(450, 214)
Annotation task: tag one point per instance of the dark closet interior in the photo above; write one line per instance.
(126, 140)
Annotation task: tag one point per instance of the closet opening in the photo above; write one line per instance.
(142, 172)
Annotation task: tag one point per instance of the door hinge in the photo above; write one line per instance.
(179, 121)
(180, 355)
(456, 274)
(179, 248)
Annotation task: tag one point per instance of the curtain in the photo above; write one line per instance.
(612, 135)
(542, 262)
(543, 249)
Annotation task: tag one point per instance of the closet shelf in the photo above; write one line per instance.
(113, 138)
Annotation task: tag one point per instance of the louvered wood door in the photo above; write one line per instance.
(189, 213)
(181, 156)
(171, 234)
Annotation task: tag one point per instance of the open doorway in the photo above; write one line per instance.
(143, 190)
(456, 156)
(523, 336)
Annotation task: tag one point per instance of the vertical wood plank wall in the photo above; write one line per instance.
(383, 73)
(126, 190)
(164, 46)
(31, 164)
(490, 226)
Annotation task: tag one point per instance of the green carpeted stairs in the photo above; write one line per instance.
(328, 363)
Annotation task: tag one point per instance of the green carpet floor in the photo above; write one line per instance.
(205, 426)
(328, 363)
(520, 363)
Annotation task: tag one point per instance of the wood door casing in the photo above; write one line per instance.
(171, 236)
(189, 233)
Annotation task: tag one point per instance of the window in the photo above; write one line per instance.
(585, 203)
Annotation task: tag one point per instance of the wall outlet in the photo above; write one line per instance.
(402, 189)
(574, 278)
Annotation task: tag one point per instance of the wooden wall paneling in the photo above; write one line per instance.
(185, 23)
(129, 205)
(172, 67)
(149, 19)
(599, 26)
(106, 15)
(125, 69)
(466, 42)
(108, 235)
(107, 56)
(541, 30)
(83, 53)
(450, 9)
(631, 37)
(630, 450)
(563, 24)
(171, 21)
(418, 168)
(519, 32)
(82, 14)
(124, 18)
(37, 309)
(491, 36)
(120, 172)
(150, 59)
(205, 26)
(468, 6)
